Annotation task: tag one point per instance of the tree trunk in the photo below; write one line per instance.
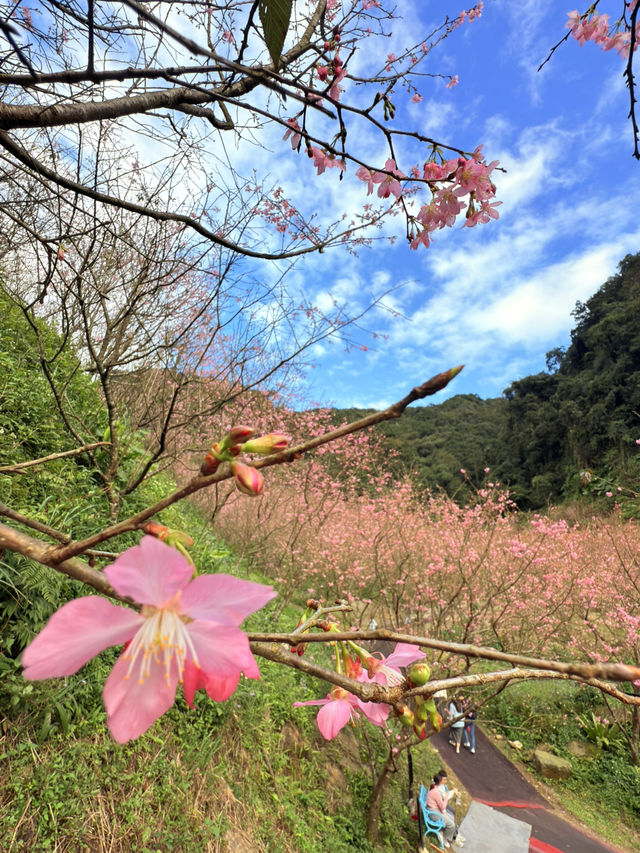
(377, 796)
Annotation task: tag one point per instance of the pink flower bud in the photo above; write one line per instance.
(271, 443)
(420, 730)
(248, 480)
(238, 434)
(154, 528)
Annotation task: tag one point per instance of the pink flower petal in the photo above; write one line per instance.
(150, 572)
(333, 717)
(222, 650)
(80, 630)
(312, 702)
(375, 712)
(224, 599)
(217, 689)
(132, 706)
(404, 654)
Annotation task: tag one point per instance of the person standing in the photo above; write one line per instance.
(457, 726)
(470, 718)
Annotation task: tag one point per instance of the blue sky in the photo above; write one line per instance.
(499, 296)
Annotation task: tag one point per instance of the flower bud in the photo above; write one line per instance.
(421, 730)
(154, 528)
(419, 673)
(405, 715)
(271, 443)
(248, 480)
(421, 712)
(209, 464)
(352, 666)
(178, 537)
(237, 435)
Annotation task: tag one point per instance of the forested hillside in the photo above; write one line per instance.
(582, 414)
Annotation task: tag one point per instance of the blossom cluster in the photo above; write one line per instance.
(596, 28)
(341, 707)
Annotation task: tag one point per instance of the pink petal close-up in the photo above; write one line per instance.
(186, 629)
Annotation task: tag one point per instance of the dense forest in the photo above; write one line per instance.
(581, 415)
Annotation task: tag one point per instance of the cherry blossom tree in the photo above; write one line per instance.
(133, 216)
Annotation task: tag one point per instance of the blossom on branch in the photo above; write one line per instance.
(388, 180)
(340, 707)
(387, 670)
(185, 629)
(322, 160)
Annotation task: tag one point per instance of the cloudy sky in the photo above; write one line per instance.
(499, 296)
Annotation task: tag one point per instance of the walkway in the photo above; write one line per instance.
(492, 779)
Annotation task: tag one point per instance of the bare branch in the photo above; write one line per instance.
(19, 466)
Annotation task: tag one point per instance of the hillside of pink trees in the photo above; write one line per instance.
(336, 525)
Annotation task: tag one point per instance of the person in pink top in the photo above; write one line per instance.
(438, 801)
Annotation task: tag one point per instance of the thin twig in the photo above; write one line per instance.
(18, 466)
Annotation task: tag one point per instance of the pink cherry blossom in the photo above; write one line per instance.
(420, 239)
(340, 707)
(453, 81)
(366, 175)
(386, 670)
(334, 91)
(434, 171)
(389, 185)
(486, 212)
(473, 176)
(293, 132)
(322, 160)
(185, 628)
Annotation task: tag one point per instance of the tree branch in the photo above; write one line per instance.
(20, 465)
(432, 386)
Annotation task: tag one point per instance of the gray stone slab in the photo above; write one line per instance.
(489, 831)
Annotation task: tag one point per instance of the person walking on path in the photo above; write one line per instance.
(457, 726)
(470, 718)
(493, 780)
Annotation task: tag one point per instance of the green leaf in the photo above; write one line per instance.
(275, 16)
(63, 716)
